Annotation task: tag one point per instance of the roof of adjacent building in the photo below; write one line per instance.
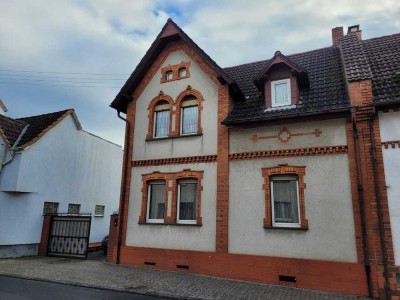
(23, 132)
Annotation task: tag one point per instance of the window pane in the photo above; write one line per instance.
(187, 201)
(50, 208)
(281, 93)
(285, 201)
(99, 210)
(156, 205)
(74, 208)
(182, 72)
(189, 119)
(162, 123)
(169, 75)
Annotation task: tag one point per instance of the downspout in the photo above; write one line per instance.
(379, 205)
(123, 189)
(361, 202)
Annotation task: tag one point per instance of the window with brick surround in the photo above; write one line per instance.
(280, 92)
(50, 208)
(172, 198)
(189, 113)
(160, 117)
(284, 197)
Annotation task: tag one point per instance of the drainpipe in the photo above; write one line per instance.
(379, 205)
(361, 202)
(123, 190)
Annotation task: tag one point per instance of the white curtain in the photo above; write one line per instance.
(162, 123)
(285, 201)
(157, 197)
(189, 119)
(187, 203)
(281, 93)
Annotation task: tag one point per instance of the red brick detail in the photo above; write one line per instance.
(361, 99)
(327, 150)
(173, 177)
(175, 72)
(221, 238)
(284, 135)
(112, 238)
(151, 109)
(299, 171)
(279, 74)
(391, 144)
(339, 277)
(188, 92)
(44, 238)
(337, 34)
(175, 161)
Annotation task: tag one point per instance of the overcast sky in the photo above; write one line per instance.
(56, 55)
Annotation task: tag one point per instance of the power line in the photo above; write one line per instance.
(57, 81)
(61, 77)
(83, 86)
(69, 73)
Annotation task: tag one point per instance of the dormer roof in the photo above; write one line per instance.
(279, 60)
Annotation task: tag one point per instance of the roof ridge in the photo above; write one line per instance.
(14, 119)
(380, 37)
(46, 114)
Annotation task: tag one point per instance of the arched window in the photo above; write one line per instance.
(169, 75)
(189, 115)
(161, 119)
(182, 72)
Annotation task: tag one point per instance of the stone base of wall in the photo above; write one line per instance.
(10, 251)
(338, 277)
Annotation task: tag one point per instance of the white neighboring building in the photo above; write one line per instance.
(48, 162)
(389, 122)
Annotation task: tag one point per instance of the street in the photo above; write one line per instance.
(23, 289)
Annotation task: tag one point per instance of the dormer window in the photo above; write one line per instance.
(169, 75)
(280, 92)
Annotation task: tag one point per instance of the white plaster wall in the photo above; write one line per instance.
(66, 165)
(333, 132)
(177, 147)
(196, 238)
(390, 131)
(331, 234)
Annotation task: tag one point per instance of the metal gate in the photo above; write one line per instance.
(69, 236)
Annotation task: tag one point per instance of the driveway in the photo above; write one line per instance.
(97, 273)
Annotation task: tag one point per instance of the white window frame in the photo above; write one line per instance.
(157, 182)
(280, 224)
(179, 201)
(155, 124)
(180, 71)
(182, 115)
(277, 82)
(169, 73)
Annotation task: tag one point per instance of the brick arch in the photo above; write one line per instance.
(181, 97)
(151, 109)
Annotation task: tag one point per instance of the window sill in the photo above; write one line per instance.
(302, 228)
(172, 224)
(98, 216)
(173, 137)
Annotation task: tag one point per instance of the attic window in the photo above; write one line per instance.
(182, 72)
(280, 92)
(169, 75)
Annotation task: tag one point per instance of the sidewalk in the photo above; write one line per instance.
(99, 274)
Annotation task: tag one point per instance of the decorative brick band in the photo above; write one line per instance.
(391, 144)
(284, 135)
(342, 149)
(175, 161)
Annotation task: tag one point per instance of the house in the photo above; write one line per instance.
(50, 165)
(269, 171)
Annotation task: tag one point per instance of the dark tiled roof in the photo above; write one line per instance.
(38, 125)
(327, 90)
(383, 55)
(11, 128)
(354, 58)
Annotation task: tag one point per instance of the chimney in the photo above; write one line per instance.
(337, 33)
(355, 29)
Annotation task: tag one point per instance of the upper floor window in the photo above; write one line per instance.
(189, 115)
(161, 119)
(156, 200)
(285, 201)
(187, 195)
(280, 92)
(182, 72)
(169, 75)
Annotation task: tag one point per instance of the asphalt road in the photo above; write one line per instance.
(23, 289)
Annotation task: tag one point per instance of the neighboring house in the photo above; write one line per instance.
(48, 164)
(265, 171)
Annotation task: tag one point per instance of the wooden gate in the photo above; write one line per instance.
(69, 236)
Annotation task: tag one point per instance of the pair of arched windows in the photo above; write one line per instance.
(188, 117)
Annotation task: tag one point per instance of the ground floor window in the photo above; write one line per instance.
(156, 200)
(187, 194)
(50, 208)
(74, 209)
(99, 211)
